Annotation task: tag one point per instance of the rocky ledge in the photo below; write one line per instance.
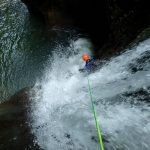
(111, 24)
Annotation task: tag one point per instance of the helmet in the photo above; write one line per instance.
(85, 57)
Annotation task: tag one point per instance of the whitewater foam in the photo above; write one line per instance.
(61, 113)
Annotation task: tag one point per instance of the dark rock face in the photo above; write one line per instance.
(111, 24)
(14, 129)
(126, 19)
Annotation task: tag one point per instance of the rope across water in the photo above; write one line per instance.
(95, 117)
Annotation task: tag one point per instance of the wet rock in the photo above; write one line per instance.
(141, 95)
(111, 24)
(140, 64)
(14, 128)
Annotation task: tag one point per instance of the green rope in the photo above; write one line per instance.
(96, 119)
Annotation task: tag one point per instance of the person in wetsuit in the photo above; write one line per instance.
(90, 63)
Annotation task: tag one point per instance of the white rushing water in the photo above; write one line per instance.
(61, 117)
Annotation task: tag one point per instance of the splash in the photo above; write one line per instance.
(61, 112)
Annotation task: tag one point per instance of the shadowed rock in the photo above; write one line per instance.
(14, 128)
(111, 24)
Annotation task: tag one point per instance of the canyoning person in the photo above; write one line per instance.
(90, 63)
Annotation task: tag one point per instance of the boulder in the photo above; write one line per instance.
(14, 127)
